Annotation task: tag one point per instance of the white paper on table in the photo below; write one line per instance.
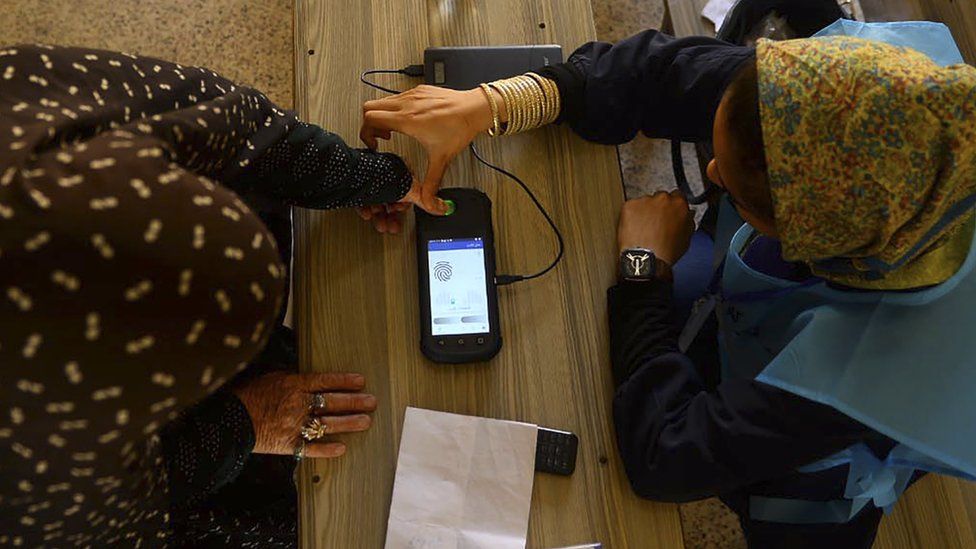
(462, 482)
(716, 11)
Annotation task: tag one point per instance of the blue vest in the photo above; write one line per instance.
(901, 363)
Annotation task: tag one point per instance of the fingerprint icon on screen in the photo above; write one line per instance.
(442, 271)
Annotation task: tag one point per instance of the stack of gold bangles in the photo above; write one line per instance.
(530, 100)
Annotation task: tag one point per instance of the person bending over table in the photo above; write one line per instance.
(854, 165)
(139, 294)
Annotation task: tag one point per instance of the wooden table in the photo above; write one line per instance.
(356, 291)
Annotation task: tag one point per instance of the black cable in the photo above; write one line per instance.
(409, 70)
(500, 280)
(503, 280)
(362, 78)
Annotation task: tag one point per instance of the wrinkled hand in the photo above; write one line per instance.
(279, 405)
(443, 121)
(387, 218)
(661, 223)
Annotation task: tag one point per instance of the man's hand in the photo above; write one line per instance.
(443, 121)
(661, 223)
(279, 406)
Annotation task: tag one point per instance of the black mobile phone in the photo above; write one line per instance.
(456, 264)
(464, 67)
(555, 451)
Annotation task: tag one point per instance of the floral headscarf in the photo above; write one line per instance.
(871, 154)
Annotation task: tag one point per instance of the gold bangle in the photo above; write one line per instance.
(557, 99)
(495, 128)
(552, 97)
(537, 101)
(529, 102)
(544, 103)
(518, 106)
(509, 99)
(521, 105)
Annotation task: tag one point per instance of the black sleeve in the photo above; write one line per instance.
(207, 125)
(663, 86)
(313, 168)
(205, 448)
(680, 441)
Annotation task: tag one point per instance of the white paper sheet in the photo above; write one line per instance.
(462, 482)
(716, 11)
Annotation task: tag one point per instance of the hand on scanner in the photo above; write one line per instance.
(444, 121)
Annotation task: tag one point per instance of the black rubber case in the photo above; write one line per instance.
(471, 219)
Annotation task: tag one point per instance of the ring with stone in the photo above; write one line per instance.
(300, 450)
(313, 430)
(318, 405)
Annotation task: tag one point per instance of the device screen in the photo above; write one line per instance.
(458, 290)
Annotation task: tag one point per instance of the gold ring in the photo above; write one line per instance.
(314, 429)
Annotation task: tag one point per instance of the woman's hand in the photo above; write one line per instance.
(661, 223)
(386, 218)
(443, 121)
(280, 404)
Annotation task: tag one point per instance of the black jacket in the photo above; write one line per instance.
(682, 438)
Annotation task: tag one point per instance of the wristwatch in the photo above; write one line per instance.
(641, 265)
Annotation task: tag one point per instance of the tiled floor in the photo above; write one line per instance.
(246, 40)
(645, 163)
(646, 167)
(251, 41)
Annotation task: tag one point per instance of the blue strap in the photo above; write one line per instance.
(715, 294)
(869, 480)
(872, 480)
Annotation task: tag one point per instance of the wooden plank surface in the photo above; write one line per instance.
(937, 512)
(687, 20)
(356, 291)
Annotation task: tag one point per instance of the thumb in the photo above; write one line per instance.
(413, 195)
(432, 183)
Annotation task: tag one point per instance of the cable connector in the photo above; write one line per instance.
(505, 280)
(413, 70)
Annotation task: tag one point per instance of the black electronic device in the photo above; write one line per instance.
(456, 274)
(555, 451)
(464, 68)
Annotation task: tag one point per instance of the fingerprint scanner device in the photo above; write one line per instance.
(456, 277)
(464, 68)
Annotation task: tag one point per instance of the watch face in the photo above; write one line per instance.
(637, 264)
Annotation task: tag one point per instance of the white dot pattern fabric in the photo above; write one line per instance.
(134, 282)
